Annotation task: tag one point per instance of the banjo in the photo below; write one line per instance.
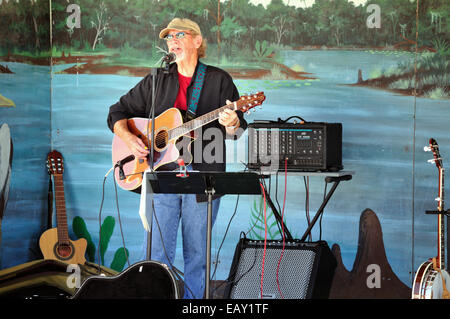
(432, 279)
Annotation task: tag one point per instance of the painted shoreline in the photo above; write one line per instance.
(93, 64)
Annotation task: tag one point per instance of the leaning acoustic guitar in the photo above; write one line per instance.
(169, 130)
(55, 243)
(432, 279)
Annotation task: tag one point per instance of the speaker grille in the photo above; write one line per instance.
(294, 272)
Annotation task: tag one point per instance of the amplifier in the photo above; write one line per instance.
(310, 146)
(300, 271)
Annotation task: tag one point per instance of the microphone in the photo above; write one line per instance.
(170, 57)
(125, 160)
(121, 163)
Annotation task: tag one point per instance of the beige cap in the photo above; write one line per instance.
(180, 24)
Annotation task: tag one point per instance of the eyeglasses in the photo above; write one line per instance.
(178, 35)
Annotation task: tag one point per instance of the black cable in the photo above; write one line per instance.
(233, 270)
(120, 222)
(291, 117)
(260, 212)
(257, 219)
(223, 240)
(100, 217)
(165, 251)
(100, 224)
(225, 235)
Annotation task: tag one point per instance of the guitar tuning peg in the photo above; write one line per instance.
(438, 199)
(427, 149)
(431, 161)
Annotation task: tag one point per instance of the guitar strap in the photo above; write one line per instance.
(198, 85)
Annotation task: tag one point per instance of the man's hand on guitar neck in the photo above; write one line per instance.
(134, 143)
(229, 119)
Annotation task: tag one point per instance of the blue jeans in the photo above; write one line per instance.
(169, 210)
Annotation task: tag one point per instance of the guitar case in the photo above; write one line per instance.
(142, 280)
(44, 279)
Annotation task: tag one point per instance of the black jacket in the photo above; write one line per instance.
(217, 88)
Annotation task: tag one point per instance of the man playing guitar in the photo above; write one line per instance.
(176, 88)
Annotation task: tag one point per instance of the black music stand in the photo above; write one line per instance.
(209, 183)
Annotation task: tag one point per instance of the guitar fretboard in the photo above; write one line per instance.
(198, 122)
(441, 222)
(60, 204)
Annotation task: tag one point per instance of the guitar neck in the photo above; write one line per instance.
(198, 122)
(441, 222)
(60, 204)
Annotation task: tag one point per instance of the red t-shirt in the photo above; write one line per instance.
(181, 101)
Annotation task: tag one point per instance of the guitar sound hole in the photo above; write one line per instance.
(64, 251)
(161, 140)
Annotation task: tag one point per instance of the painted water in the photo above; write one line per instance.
(383, 139)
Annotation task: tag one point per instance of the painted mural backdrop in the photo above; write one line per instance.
(359, 63)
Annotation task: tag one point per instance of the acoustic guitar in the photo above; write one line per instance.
(172, 139)
(55, 243)
(432, 279)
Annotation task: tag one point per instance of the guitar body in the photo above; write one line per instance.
(165, 150)
(173, 140)
(71, 252)
(429, 283)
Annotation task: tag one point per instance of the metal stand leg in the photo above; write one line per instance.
(336, 181)
(278, 216)
(149, 207)
(210, 193)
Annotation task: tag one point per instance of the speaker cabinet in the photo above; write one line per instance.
(305, 271)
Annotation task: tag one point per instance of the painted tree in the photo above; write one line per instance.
(231, 30)
(101, 24)
(280, 17)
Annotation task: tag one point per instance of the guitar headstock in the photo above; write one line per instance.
(55, 163)
(247, 102)
(434, 147)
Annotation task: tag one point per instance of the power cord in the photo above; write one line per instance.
(120, 222)
(100, 218)
(176, 271)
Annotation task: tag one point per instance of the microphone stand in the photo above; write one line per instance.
(153, 73)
